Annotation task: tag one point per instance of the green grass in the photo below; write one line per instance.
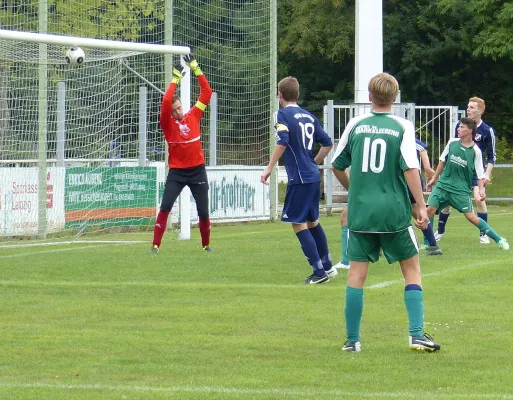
(501, 184)
(96, 321)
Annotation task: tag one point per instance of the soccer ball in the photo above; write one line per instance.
(75, 56)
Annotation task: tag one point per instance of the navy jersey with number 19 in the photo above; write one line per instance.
(299, 130)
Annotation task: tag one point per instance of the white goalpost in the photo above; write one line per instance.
(81, 149)
(92, 43)
(83, 186)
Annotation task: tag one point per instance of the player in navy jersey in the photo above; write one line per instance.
(430, 244)
(297, 131)
(485, 140)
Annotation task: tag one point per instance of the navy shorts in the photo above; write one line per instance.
(412, 199)
(474, 182)
(474, 178)
(302, 203)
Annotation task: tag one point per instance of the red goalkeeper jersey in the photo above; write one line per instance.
(183, 137)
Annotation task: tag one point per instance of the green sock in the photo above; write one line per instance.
(415, 310)
(353, 312)
(487, 229)
(344, 241)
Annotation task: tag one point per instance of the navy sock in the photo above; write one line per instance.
(442, 221)
(310, 250)
(322, 246)
(429, 235)
(484, 217)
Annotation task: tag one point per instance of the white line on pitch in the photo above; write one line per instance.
(197, 285)
(68, 242)
(73, 248)
(32, 253)
(221, 236)
(256, 392)
(436, 273)
(216, 285)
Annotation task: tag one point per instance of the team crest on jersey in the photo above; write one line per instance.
(184, 130)
(477, 138)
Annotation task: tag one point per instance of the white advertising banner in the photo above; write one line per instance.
(19, 197)
(236, 194)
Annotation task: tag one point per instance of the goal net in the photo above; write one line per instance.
(91, 129)
(232, 40)
(81, 150)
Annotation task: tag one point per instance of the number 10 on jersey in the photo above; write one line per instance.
(371, 149)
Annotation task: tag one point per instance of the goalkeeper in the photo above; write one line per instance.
(186, 159)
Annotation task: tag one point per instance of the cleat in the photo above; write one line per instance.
(503, 244)
(433, 251)
(332, 272)
(208, 249)
(352, 346)
(438, 236)
(423, 247)
(424, 343)
(314, 279)
(484, 239)
(341, 265)
(154, 249)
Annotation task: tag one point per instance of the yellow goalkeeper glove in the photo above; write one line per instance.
(178, 73)
(190, 60)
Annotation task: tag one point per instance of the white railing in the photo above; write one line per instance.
(434, 125)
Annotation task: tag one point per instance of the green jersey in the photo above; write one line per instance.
(461, 165)
(379, 147)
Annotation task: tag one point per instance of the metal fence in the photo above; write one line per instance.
(434, 125)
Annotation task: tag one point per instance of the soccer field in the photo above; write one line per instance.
(111, 321)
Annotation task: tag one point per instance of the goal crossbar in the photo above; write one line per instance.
(93, 43)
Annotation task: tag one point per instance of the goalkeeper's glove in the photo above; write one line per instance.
(178, 73)
(190, 60)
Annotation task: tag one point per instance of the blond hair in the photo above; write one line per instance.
(383, 89)
(480, 103)
(289, 88)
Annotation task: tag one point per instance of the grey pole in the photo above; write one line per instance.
(273, 105)
(143, 129)
(213, 131)
(42, 121)
(327, 172)
(61, 123)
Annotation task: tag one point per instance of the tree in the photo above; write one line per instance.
(322, 56)
(491, 25)
(434, 50)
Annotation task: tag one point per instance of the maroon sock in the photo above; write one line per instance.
(160, 227)
(204, 227)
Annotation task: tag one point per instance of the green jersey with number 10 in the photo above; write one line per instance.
(379, 147)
